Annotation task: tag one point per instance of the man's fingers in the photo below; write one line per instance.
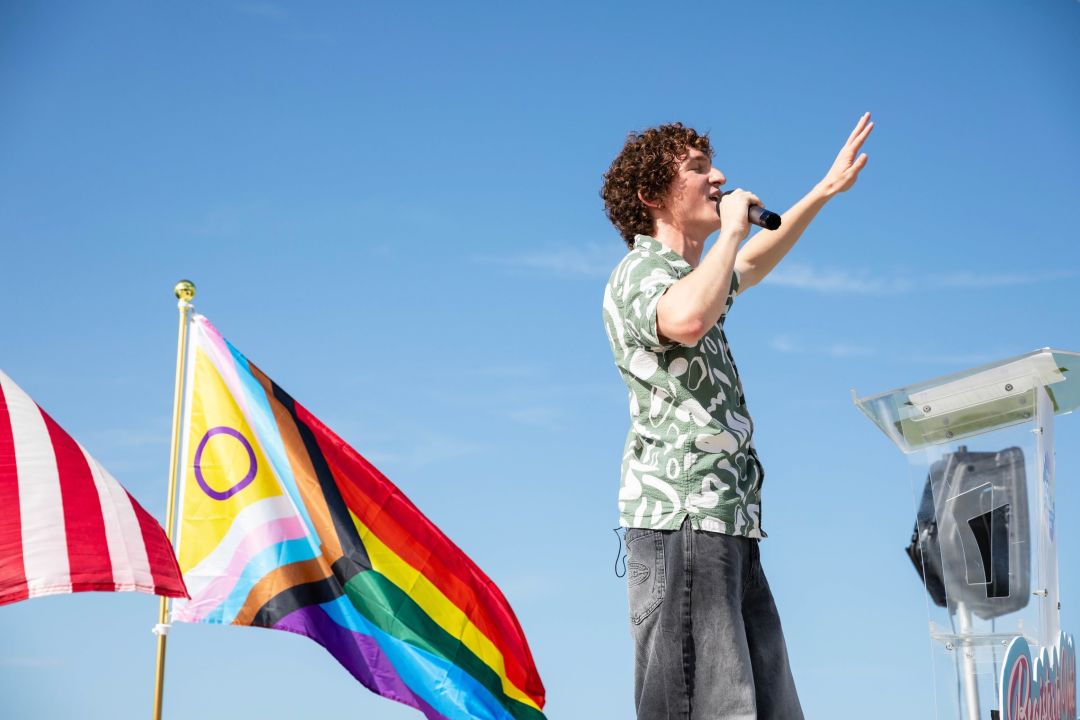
(855, 131)
(861, 138)
(851, 148)
(858, 165)
(865, 132)
(858, 127)
(849, 163)
(751, 198)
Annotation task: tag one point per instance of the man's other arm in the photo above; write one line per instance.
(767, 248)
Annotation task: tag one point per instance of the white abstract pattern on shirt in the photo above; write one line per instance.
(689, 451)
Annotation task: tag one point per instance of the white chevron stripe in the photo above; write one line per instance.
(127, 551)
(41, 507)
(251, 517)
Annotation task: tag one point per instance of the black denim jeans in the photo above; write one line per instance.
(706, 632)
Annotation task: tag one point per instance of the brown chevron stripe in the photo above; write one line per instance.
(301, 596)
(280, 580)
(303, 470)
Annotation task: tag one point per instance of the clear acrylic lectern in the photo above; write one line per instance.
(981, 451)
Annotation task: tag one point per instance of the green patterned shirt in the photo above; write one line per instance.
(689, 451)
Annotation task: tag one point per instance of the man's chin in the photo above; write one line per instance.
(710, 226)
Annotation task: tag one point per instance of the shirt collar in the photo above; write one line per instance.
(644, 242)
(651, 244)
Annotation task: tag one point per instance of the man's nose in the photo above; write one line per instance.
(717, 177)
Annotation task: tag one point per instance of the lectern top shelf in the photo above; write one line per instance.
(975, 401)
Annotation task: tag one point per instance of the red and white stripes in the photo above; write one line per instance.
(65, 524)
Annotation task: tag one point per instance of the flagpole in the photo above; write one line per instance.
(185, 292)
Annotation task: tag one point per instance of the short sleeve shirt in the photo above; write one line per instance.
(689, 451)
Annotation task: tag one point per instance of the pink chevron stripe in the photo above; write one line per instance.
(223, 361)
(217, 591)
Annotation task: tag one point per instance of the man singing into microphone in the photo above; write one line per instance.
(707, 635)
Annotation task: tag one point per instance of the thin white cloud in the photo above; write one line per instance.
(837, 281)
(590, 260)
(846, 350)
(424, 451)
(959, 359)
(598, 260)
(538, 416)
(967, 279)
(791, 346)
(784, 344)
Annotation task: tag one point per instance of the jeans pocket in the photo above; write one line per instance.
(645, 576)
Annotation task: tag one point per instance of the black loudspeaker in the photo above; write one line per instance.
(972, 534)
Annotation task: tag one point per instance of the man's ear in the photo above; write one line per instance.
(654, 204)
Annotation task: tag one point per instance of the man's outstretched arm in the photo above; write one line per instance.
(764, 251)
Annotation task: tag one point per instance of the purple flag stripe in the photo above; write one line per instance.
(359, 654)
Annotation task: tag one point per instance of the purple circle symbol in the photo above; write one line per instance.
(244, 482)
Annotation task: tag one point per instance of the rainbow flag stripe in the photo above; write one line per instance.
(285, 526)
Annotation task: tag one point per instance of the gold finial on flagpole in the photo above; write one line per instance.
(185, 292)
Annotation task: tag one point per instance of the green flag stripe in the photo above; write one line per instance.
(391, 610)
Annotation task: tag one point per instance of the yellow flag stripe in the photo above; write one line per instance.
(438, 607)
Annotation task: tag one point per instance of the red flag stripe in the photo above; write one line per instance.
(418, 542)
(87, 548)
(163, 566)
(127, 554)
(78, 529)
(12, 575)
(41, 506)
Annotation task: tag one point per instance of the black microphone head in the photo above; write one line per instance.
(756, 214)
(762, 217)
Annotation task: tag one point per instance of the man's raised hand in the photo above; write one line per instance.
(848, 164)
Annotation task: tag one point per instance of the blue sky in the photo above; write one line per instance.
(394, 212)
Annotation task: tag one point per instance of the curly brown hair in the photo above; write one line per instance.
(648, 162)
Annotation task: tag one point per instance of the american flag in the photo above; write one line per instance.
(65, 524)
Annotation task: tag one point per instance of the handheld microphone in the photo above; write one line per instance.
(756, 214)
